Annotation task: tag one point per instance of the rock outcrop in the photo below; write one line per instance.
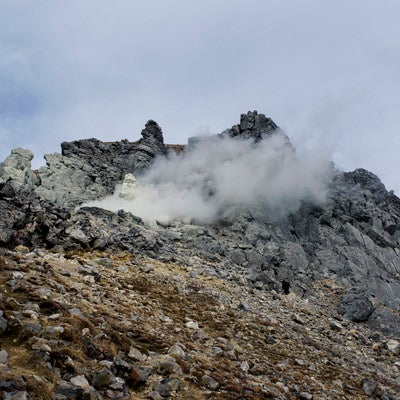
(253, 126)
(17, 167)
(86, 169)
(29, 220)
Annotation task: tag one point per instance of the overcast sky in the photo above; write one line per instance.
(327, 72)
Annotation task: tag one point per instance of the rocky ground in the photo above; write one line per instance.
(94, 325)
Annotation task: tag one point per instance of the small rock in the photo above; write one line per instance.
(38, 345)
(121, 364)
(106, 363)
(209, 382)
(369, 386)
(90, 270)
(296, 318)
(100, 244)
(335, 326)
(77, 234)
(162, 389)
(118, 384)
(176, 351)
(3, 357)
(169, 366)
(75, 311)
(137, 376)
(85, 331)
(21, 395)
(69, 362)
(122, 268)
(153, 395)
(244, 366)
(3, 325)
(68, 391)
(146, 268)
(45, 347)
(21, 249)
(80, 381)
(192, 325)
(217, 351)
(105, 262)
(54, 330)
(30, 314)
(43, 293)
(305, 396)
(244, 306)
(136, 354)
(270, 339)
(393, 346)
(103, 379)
(31, 328)
(17, 275)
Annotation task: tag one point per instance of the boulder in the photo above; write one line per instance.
(17, 167)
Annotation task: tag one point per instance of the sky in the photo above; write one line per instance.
(328, 73)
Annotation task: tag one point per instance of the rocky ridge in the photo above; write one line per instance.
(247, 280)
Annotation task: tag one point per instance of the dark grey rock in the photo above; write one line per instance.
(369, 386)
(90, 270)
(103, 378)
(162, 389)
(3, 324)
(29, 220)
(385, 320)
(69, 391)
(356, 306)
(209, 382)
(89, 169)
(253, 126)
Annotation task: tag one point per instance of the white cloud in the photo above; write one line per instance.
(78, 69)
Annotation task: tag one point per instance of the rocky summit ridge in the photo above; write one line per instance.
(101, 305)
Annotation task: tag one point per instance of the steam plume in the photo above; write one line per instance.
(205, 182)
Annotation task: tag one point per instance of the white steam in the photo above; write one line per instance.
(205, 182)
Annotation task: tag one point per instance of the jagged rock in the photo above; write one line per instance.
(27, 219)
(86, 169)
(150, 146)
(253, 125)
(67, 390)
(17, 167)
